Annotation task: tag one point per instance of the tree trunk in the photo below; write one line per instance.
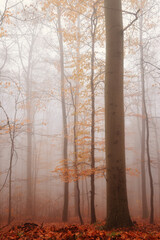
(10, 178)
(29, 154)
(117, 203)
(75, 103)
(75, 99)
(12, 139)
(29, 109)
(93, 32)
(158, 157)
(87, 197)
(29, 206)
(143, 174)
(147, 122)
(78, 206)
(64, 116)
(143, 140)
(149, 169)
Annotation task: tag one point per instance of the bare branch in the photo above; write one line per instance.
(14, 5)
(3, 15)
(152, 65)
(136, 17)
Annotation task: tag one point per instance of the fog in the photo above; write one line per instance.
(52, 113)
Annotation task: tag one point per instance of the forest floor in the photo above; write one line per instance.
(29, 231)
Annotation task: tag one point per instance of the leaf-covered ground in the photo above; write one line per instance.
(31, 231)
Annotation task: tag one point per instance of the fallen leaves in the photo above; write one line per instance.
(29, 231)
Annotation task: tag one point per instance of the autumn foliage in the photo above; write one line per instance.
(75, 231)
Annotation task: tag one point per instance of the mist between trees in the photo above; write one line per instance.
(62, 83)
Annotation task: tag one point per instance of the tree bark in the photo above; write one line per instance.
(29, 110)
(93, 32)
(158, 157)
(12, 138)
(143, 139)
(10, 182)
(147, 124)
(29, 203)
(77, 204)
(64, 116)
(75, 103)
(75, 99)
(117, 203)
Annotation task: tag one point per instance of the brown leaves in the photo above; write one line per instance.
(72, 232)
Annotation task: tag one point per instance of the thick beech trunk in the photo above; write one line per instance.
(117, 203)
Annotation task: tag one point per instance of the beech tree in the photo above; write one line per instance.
(146, 120)
(65, 143)
(117, 203)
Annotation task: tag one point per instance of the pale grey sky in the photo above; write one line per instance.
(11, 3)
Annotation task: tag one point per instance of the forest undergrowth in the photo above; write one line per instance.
(29, 231)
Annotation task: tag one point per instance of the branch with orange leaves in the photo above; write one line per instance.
(3, 14)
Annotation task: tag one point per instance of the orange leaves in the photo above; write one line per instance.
(138, 4)
(44, 123)
(2, 32)
(6, 84)
(84, 232)
(132, 172)
(33, 231)
(69, 175)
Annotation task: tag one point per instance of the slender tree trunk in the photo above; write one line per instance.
(83, 197)
(117, 203)
(158, 159)
(29, 108)
(75, 199)
(75, 99)
(64, 116)
(29, 202)
(29, 155)
(10, 180)
(12, 139)
(93, 33)
(37, 156)
(27, 71)
(76, 102)
(12, 130)
(87, 197)
(78, 206)
(146, 120)
(149, 169)
(143, 139)
(29, 139)
(139, 180)
(143, 174)
(77, 187)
